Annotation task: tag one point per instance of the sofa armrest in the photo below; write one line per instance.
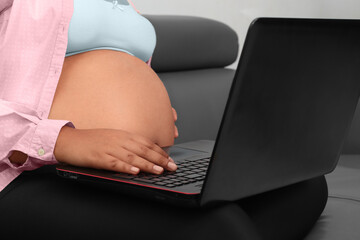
(188, 42)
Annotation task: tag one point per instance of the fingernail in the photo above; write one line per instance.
(134, 169)
(158, 168)
(172, 166)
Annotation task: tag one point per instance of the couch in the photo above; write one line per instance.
(191, 58)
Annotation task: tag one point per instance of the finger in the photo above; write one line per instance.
(149, 144)
(112, 163)
(137, 161)
(151, 156)
(175, 114)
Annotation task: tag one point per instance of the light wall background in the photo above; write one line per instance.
(238, 14)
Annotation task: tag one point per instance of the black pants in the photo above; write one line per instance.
(43, 205)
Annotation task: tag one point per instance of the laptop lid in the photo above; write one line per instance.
(289, 109)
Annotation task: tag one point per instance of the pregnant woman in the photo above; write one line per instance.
(105, 84)
(76, 86)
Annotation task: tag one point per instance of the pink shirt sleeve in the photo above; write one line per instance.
(31, 61)
(23, 130)
(5, 4)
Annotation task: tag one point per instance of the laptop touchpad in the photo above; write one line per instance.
(178, 153)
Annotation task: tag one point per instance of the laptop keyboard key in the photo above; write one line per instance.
(187, 172)
(193, 175)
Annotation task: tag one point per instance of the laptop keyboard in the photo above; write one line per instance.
(187, 172)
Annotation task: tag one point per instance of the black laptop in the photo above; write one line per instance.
(288, 113)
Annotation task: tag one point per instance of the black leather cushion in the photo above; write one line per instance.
(188, 42)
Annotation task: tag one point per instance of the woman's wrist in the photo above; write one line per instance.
(65, 135)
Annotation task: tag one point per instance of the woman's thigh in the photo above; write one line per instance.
(41, 204)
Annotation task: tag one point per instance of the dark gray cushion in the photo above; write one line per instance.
(352, 143)
(188, 42)
(199, 97)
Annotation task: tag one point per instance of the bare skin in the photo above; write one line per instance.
(121, 111)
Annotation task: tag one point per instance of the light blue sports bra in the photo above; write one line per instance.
(107, 24)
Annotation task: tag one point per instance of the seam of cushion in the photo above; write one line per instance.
(345, 198)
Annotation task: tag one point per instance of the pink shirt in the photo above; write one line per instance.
(33, 42)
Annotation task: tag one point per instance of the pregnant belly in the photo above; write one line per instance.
(111, 89)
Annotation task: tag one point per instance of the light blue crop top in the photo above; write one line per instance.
(107, 24)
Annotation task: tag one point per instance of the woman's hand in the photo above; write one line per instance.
(111, 149)
(175, 119)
